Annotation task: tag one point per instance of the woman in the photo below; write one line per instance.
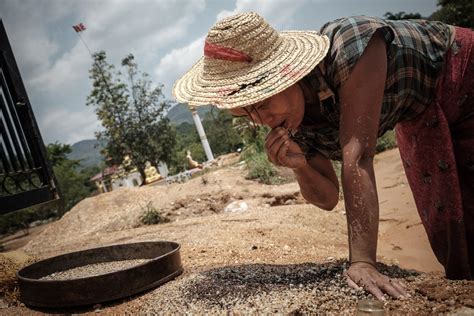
(329, 96)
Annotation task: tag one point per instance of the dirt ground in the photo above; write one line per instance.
(276, 254)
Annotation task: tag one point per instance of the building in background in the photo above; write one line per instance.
(115, 177)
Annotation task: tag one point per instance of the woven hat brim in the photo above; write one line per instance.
(300, 52)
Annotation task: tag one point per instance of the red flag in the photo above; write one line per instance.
(79, 27)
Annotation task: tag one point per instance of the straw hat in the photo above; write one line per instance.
(246, 61)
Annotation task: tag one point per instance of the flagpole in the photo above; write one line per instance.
(78, 32)
(83, 42)
(101, 71)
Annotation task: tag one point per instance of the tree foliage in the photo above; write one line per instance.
(223, 137)
(455, 12)
(74, 184)
(402, 15)
(131, 111)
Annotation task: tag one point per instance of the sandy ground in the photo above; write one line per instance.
(291, 253)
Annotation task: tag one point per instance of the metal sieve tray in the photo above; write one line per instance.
(164, 264)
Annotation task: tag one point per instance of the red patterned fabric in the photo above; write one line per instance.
(437, 149)
(224, 53)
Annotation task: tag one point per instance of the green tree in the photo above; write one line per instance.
(402, 16)
(223, 137)
(74, 185)
(455, 12)
(132, 114)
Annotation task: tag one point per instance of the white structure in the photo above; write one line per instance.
(163, 169)
(132, 179)
(202, 134)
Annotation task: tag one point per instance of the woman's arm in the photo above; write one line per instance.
(318, 182)
(316, 177)
(361, 100)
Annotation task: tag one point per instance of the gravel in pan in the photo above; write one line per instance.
(94, 269)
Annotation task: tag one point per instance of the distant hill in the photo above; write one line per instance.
(180, 113)
(88, 152)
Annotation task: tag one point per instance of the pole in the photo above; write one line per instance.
(202, 134)
(83, 42)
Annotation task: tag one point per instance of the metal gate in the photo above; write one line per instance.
(26, 179)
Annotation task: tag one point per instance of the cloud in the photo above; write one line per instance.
(280, 14)
(64, 74)
(28, 34)
(174, 64)
(138, 26)
(84, 125)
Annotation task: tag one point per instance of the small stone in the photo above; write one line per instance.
(254, 247)
(236, 207)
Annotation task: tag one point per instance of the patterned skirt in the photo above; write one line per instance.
(437, 150)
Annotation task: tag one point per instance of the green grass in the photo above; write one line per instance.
(262, 170)
(152, 216)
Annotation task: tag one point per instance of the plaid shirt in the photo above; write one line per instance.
(415, 53)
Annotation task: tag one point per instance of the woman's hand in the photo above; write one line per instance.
(282, 151)
(364, 275)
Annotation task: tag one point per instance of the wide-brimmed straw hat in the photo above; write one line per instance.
(246, 61)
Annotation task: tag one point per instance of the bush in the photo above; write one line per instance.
(152, 216)
(259, 168)
(386, 142)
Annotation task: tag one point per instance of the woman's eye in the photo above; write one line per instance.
(264, 106)
(260, 106)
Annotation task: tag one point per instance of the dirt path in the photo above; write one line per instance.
(401, 234)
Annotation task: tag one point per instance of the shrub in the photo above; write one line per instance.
(259, 168)
(386, 142)
(152, 216)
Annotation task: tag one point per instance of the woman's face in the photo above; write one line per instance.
(285, 109)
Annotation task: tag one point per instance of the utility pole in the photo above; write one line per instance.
(202, 134)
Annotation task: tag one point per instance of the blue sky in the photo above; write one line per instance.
(166, 37)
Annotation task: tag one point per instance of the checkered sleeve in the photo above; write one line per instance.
(349, 38)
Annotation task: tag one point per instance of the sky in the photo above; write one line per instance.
(165, 36)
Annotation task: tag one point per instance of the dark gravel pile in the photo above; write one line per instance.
(323, 285)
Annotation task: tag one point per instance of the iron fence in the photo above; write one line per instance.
(26, 179)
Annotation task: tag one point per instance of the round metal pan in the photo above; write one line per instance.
(164, 265)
